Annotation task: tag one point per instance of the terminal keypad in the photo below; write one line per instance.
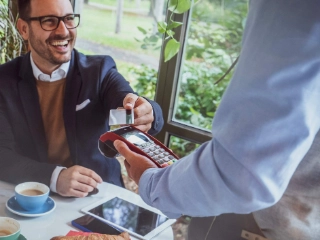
(158, 154)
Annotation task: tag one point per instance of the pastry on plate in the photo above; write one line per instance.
(95, 236)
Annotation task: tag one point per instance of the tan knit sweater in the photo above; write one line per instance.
(51, 97)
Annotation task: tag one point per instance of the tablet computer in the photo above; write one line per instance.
(127, 216)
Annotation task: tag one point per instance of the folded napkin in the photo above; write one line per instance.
(73, 235)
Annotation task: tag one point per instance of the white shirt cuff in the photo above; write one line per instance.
(54, 178)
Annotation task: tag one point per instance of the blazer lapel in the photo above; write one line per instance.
(30, 103)
(73, 86)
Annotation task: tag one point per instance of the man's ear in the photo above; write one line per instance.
(23, 28)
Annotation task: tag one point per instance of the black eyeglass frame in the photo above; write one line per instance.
(59, 20)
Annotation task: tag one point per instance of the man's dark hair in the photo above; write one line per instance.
(24, 7)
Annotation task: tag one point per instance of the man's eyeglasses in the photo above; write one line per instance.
(50, 23)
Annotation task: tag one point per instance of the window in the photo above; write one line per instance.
(210, 37)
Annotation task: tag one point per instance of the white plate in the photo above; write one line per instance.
(13, 206)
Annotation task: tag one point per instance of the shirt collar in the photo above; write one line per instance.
(57, 74)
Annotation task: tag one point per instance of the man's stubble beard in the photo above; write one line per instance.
(42, 49)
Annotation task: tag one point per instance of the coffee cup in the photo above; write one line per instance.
(31, 195)
(9, 229)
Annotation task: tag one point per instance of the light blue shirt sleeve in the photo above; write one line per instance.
(265, 124)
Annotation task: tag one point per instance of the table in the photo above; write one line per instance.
(58, 223)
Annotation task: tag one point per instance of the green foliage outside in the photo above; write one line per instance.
(11, 42)
(182, 147)
(212, 48)
(144, 79)
(213, 44)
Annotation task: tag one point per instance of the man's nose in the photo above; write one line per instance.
(62, 29)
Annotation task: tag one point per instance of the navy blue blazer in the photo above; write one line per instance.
(23, 148)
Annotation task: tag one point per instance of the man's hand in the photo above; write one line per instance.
(77, 181)
(135, 163)
(143, 112)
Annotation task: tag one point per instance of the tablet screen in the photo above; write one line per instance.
(129, 216)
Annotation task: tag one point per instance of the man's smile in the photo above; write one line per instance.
(59, 43)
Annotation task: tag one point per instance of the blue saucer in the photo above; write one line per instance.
(13, 206)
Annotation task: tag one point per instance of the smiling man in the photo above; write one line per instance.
(50, 28)
(54, 105)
